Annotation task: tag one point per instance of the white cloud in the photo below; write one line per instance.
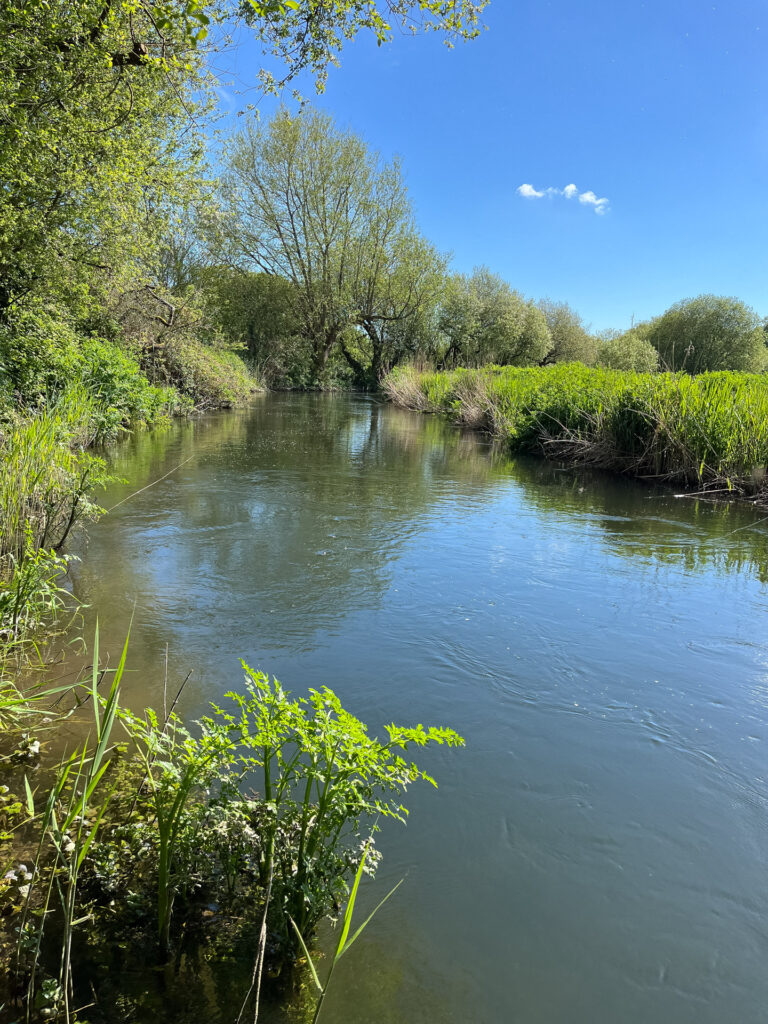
(588, 198)
(529, 192)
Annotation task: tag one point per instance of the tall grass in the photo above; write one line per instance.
(710, 430)
(46, 481)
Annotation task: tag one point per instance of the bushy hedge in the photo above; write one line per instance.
(42, 355)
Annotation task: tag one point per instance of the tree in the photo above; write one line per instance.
(309, 35)
(310, 203)
(393, 299)
(258, 311)
(628, 351)
(95, 136)
(571, 342)
(710, 332)
(484, 321)
(100, 105)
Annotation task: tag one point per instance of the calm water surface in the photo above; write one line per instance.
(599, 850)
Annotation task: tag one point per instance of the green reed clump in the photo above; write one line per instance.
(707, 430)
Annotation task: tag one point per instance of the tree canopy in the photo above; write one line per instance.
(710, 332)
(309, 202)
(571, 342)
(483, 320)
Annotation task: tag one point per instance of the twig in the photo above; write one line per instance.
(258, 967)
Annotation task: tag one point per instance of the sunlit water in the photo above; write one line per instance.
(599, 850)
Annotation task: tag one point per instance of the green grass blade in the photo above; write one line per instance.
(306, 954)
(347, 923)
(368, 919)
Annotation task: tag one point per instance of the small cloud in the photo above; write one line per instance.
(529, 192)
(588, 198)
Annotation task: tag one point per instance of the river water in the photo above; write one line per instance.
(599, 850)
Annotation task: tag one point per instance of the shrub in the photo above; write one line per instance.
(42, 355)
(630, 351)
(209, 376)
(708, 333)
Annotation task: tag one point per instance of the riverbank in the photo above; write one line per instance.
(58, 403)
(709, 431)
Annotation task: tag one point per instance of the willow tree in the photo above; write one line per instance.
(710, 332)
(311, 203)
(483, 320)
(571, 342)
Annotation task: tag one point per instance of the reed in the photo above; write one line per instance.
(709, 431)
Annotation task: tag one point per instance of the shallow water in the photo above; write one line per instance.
(599, 850)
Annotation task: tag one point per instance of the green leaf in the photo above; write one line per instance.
(368, 919)
(306, 954)
(30, 798)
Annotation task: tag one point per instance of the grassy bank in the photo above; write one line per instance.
(709, 431)
(61, 394)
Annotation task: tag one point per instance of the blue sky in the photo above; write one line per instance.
(659, 107)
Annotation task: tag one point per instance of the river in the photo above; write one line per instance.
(599, 850)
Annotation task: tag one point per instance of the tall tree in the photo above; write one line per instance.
(99, 104)
(571, 342)
(310, 203)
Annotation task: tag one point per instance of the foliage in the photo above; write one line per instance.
(628, 351)
(710, 332)
(484, 321)
(30, 595)
(43, 355)
(710, 430)
(46, 476)
(95, 112)
(318, 766)
(571, 342)
(257, 311)
(310, 35)
(66, 828)
(209, 376)
(311, 204)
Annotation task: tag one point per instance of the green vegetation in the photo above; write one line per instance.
(143, 847)
(709, 333)
(134, 286)
(710, 430)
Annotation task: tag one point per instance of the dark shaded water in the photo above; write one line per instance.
(599, 851)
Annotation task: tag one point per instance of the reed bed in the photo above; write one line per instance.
(707, 431)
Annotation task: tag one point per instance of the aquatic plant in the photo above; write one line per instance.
(709, 431)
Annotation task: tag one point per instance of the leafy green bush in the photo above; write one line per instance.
(210, 376)
(42, 355)
(628, 351)
(157, 840)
